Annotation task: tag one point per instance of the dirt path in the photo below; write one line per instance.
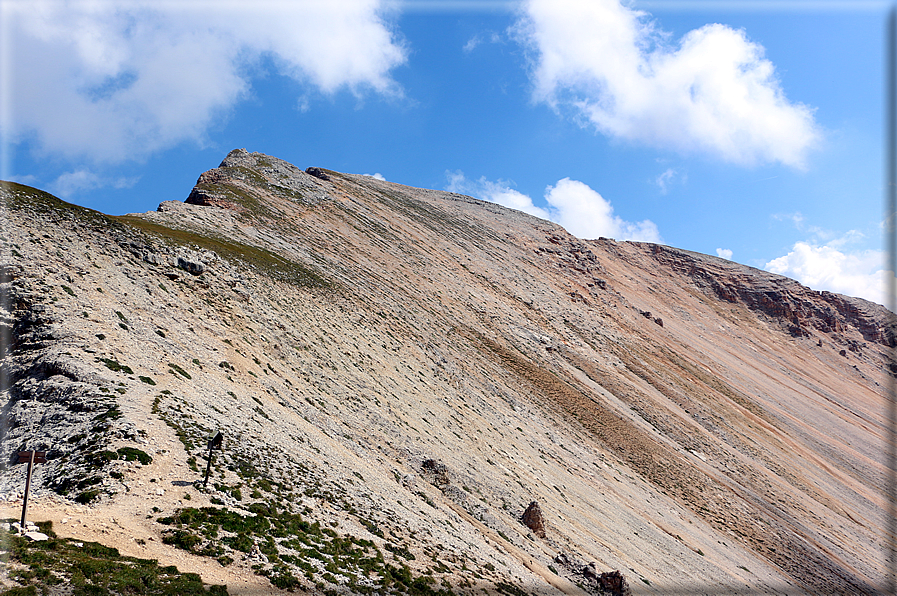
(129, 522)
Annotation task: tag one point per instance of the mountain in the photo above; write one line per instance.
(399, 373)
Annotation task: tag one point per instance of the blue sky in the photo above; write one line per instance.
(749, 130)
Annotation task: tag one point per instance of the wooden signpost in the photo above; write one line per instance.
(32, 457)
(214, 443)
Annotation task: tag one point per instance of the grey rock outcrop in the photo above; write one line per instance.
(190, 266)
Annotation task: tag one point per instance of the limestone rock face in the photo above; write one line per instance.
(398, 372)
(782, 299)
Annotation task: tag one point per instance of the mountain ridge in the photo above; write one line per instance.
(387, 326)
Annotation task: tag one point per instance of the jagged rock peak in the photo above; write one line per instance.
(242, 179)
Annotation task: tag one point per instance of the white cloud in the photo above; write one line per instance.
(472, 43)
(77, 181)
(376, 176)
(858, 273)
(712, 92)
(796, 218)
(477, 40)
(724, 253)
(27, 179)
(586, 214)
(496, 192)
(577, 207)
(114, 80)
(667, 178)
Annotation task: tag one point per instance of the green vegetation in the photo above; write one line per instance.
(90, 569)
(303, 553)
(134, 454)
(115, 365)
(36, 202)
(68, 290)
(113, 413)
(147, 380)
(191, 435)
(87, 496)
(267, 262)
(177, 369)
(295, 548)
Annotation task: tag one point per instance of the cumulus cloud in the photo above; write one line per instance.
(376, 176)
(496, 192)
(828, 267)
(724, 253)
(113, 80)
(586, 214)
(573, 204)
(712, 92)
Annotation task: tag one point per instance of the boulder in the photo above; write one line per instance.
(191, 267)
(36, 536)
(613, 582)
(154, 259)
(532, 519)
(317, 173)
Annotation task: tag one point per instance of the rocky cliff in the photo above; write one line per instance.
(400, 373)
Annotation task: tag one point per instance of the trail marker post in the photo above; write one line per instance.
(32, 457)
(214, 443)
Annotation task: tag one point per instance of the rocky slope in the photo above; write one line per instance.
(399, 373)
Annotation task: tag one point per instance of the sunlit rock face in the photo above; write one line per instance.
(399, 372)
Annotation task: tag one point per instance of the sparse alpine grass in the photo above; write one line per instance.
(296, 549)
(62, 565)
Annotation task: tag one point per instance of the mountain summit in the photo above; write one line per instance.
(420, 392)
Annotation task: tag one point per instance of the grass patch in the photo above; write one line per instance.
(89, 568)
(302, 553)
(116, 366)
(179, 370)
(134, 454)
(270, 263)
(87, 496)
